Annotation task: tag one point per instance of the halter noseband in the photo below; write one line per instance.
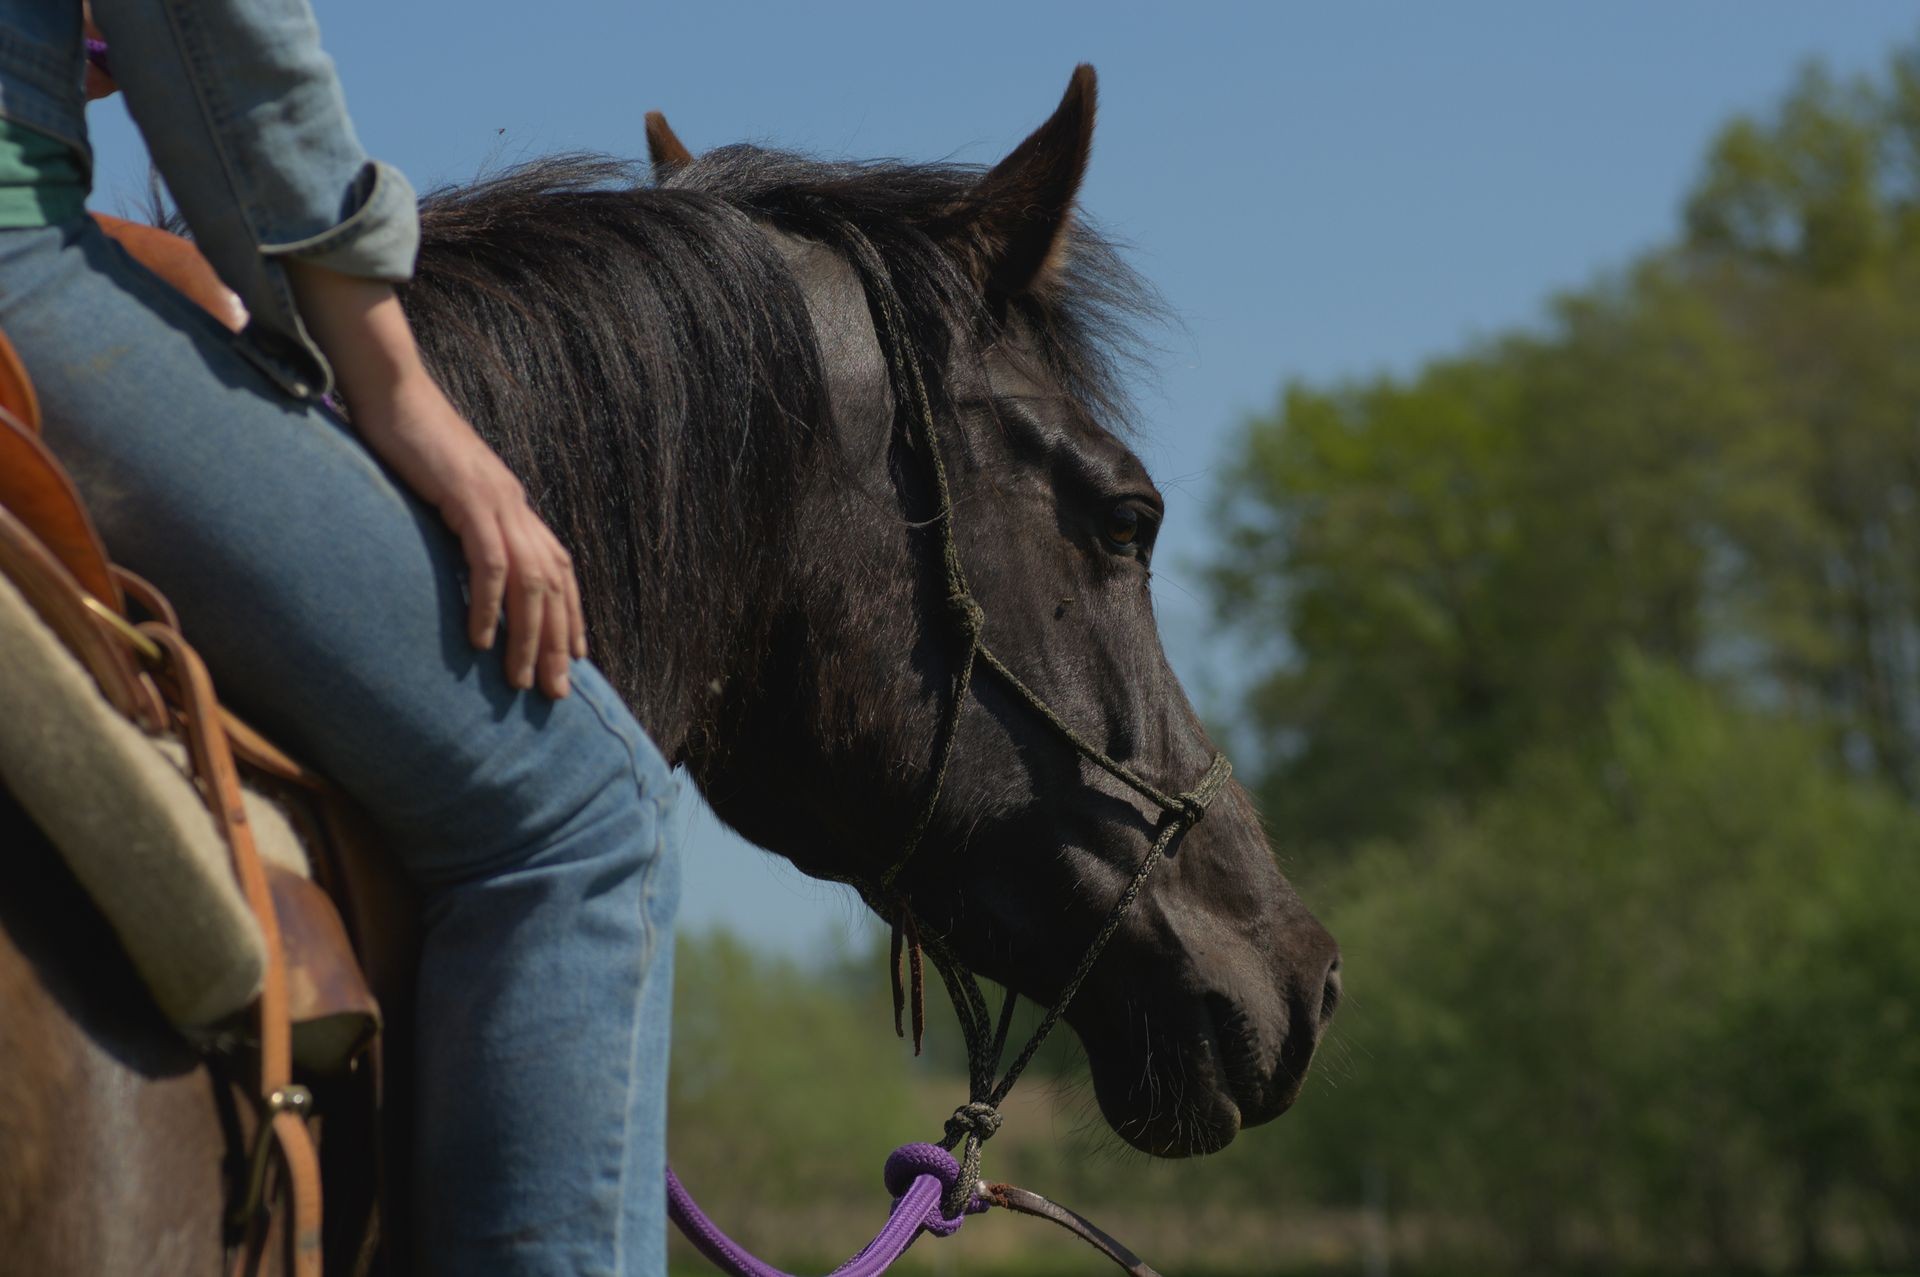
(974, 1122)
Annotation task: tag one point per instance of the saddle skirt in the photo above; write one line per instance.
(122, 808)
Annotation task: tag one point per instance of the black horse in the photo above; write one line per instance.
(689, 378)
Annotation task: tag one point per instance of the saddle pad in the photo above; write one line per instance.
(122, 808)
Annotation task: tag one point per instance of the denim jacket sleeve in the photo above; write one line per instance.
(244, 117)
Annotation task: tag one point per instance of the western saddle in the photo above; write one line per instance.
(330, 941)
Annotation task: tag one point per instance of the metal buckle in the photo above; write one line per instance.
(149, 650)
(287, 1099)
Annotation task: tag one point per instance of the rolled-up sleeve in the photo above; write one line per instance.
(243, 114)
(379, 239)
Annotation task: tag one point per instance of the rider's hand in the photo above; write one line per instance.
(407, 421)
(511, 556)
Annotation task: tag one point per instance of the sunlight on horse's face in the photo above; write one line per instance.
(1203, 1014)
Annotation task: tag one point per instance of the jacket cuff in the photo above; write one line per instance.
(378, 240)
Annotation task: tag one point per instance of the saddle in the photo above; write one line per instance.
(249, 893)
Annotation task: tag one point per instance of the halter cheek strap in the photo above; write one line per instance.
(974, 1122)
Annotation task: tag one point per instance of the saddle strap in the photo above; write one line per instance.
(36, 488)
(283, 1106)
(16, 388)
(1007, 1197)
(248, 745)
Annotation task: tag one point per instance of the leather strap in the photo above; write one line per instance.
(145, 595)
(52, 591)
(261, 754)
(199, 715)
(16, 388)
(36, 488)
(1010, 1198)
(249, 746)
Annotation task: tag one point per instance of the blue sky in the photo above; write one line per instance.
(1320, 190)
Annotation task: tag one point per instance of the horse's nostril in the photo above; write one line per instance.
(1330, 992)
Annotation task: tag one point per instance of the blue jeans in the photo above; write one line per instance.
(544, 835)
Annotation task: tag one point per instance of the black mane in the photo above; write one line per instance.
(642, 356)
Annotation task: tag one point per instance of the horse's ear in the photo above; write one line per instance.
(664, 147)
(1013, 228)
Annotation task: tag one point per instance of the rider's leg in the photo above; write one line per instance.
(329, 605)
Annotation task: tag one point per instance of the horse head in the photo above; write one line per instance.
(1203, 1012)
(711, 384)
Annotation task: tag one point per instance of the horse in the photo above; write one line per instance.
(689, 376)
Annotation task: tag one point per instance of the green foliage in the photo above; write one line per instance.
(1592, 702)
(785, 1084)
(1454, 562)
(1813, 188)
(1712, 458)
(1659, 994)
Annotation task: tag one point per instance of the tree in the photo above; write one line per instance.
(1657, 994)
(1712, 457)
(1592, 655)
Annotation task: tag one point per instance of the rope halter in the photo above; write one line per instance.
(976, 1121)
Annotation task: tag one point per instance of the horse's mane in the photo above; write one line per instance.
(643, 358)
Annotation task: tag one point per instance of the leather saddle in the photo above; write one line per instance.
(318, 1041)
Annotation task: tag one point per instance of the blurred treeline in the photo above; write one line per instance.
(1587, 713)
(1591, 718)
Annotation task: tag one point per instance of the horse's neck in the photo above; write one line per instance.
(656, 386)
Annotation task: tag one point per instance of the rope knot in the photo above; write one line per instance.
(1192, 805)
(972, 617)
(959, 1196)
(975, 1118)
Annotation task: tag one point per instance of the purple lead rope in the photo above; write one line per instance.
(918, 1176)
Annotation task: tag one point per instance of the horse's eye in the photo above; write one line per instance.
(1123, 525)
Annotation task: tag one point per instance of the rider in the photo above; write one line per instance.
(346, 585)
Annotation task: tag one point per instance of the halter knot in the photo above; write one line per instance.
(1192, 805)
(958, 1200)
(975, 1118)
(973, 617)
